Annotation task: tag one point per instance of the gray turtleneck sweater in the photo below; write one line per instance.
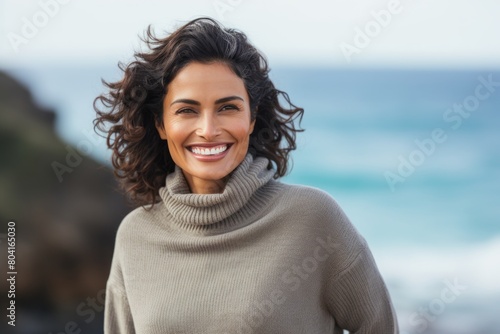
(261, 257)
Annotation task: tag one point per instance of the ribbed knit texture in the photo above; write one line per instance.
(261, 257)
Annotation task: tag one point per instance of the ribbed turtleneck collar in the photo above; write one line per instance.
(242, 198)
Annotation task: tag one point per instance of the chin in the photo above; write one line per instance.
(209, 174)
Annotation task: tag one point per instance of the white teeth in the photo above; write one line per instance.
(209, 151)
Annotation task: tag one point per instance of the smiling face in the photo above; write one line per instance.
(207, 124)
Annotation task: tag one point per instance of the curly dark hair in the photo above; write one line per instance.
(134, 105)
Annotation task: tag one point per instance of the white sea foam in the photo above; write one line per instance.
(416, 278)
(421, 268)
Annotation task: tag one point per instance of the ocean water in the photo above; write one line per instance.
(413, 158)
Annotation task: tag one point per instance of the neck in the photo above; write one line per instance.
(201, 186)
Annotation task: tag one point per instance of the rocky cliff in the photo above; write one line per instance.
(65, 228)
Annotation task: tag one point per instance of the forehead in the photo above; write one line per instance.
(197, 80)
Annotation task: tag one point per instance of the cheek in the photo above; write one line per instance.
(176, 132)
(241, 130)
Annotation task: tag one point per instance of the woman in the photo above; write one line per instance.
(199, 136)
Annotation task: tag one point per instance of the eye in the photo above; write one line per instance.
(185, 111)
(229, 107)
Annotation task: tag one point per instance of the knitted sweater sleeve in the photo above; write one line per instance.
(117, 315)
(359, 300)
(356, 294)
(118, 318)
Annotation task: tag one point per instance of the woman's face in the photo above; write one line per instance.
(207, 124)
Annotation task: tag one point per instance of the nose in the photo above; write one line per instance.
(208, 126)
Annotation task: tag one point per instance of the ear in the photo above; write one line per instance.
(252, 125)
(161, 131)
(252, 122)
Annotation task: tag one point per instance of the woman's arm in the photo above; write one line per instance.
(358, 298)
(117, 316)
(355, 293)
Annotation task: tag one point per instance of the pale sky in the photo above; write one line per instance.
(423, 33)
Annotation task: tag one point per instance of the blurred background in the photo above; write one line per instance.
(402, 103)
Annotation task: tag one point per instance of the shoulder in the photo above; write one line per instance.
(311, 199)
(138, 220)
(316, 209)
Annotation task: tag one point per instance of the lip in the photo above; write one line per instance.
(209, 158)
(209, 144)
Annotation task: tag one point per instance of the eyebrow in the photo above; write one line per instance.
(196, 103)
